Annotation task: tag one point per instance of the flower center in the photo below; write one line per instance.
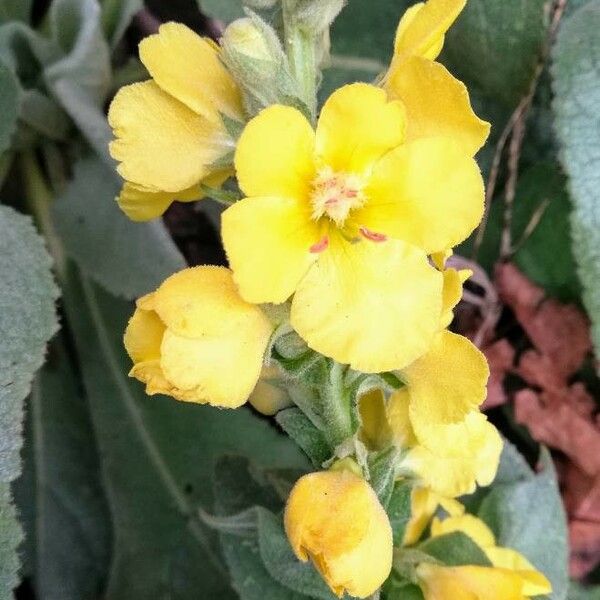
(335, 194)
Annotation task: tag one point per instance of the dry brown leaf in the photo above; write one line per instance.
(500, 356)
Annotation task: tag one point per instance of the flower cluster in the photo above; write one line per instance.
(338, 297)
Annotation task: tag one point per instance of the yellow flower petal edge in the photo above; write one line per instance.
(195, 339)
(160, 143)
(335, 519)
(372, 306)
(270, 396)
(437, 104)
(422, 28)
(187, 67)
(446, 383)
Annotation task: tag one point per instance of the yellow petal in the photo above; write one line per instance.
(398, 419)
(374, 430)
(188, 68)
(534, 582)
(428, 193)
(436, 104)
(357, 126)
(468, 524)
(269, 396)
(353, 551)
(439, 258)
(275, 154)
(374, 306)
(468, 583)
(446, 383)
(142, 205)
(203, 301)
(422, 28)
(160, 143)
(221, 370)
(268, 242)
(452, 293)
(143, 336)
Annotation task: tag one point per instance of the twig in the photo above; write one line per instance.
(515, 129)
(536, 217)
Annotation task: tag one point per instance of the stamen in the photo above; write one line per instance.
(372, 235)
(320, 246)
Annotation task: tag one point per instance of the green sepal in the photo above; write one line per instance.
(382, 473)
(312, 441)
(455, 549)
(399, 509)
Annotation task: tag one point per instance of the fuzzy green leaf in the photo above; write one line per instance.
(523, 512)
(9, 106)
(128, 259)
(455, 549)
(495, 46)
(399, 509)
(116, 17)
(27, 321)
(59, 495)
(576, 75)
(225, 10)
(15, 10)
(157, 456)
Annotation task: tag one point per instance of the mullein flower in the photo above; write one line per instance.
(170, 131)
(344, 218)
(436, 103)
(195, 339)
(511, 576)
(335, 519)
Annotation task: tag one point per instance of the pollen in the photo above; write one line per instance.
(335, 195)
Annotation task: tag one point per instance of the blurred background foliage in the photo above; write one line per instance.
(107, 482)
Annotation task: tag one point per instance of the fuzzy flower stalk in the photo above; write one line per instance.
(334, 313)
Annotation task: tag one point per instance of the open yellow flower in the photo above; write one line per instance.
(512, 576)
(335, 519)
(436, 103)
(169, 130)
(448, 458)
(344, 218)
(195, 339)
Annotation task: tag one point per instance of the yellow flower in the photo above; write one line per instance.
(436, 103)
(424, 503)
(269, 395)
(511, 571)
(344, 218)
(335, 519)
(169, 130)
(195, 339)
(453, 286)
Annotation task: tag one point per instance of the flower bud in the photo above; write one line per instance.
(253, 54)
(335, 519)
(195, 339)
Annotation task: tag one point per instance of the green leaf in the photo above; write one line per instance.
(225, 10)
(513, 467)
(129, 259)
(495, 46)
(455, 549)
(551, 237)
(157, 455)
(116, 17)
(238, 486)
(9, 106)
(405, 592)
(80, 79)
(298, 426)
(11, 10)
(382, 470)
(580, 592)
(399, 509)
(576, 75)
(282, 564)
(526, 511)
(27, 321)
(60, 496)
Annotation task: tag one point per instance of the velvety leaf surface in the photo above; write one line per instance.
(129, 259)
(27, 321)
(576, 72)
